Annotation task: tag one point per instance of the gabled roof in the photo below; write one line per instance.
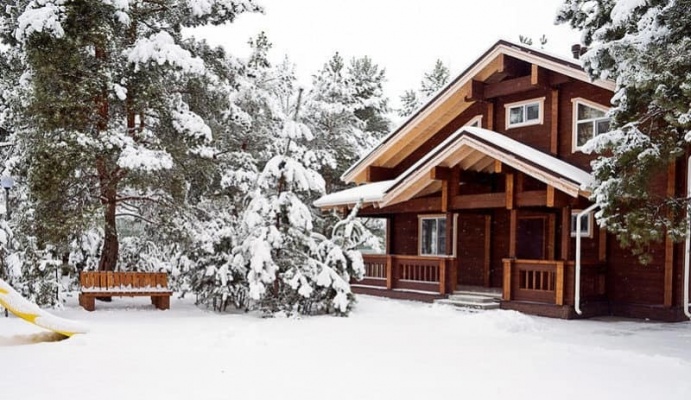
(451, 100)
(473, 149)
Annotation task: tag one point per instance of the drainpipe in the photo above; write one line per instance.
(687, 247)
(577, 289)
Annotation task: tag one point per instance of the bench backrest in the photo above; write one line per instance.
(134, 280)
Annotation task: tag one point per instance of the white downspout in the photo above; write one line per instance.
(687, 247)
(577, 278)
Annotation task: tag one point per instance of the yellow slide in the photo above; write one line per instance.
(23, 308)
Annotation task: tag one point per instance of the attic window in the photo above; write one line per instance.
(524, 113)
(476, 121)
(589, 120)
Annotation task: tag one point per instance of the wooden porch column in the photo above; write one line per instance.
(559, 284)
(389, 272)
(442, 276)
(506, 289)
(389, 231)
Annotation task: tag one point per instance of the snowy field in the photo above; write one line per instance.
(386, 350)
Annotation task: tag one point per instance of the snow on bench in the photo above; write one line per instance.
(124, 284)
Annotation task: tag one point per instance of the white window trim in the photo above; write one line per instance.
(477, 118)
(538, 121)
(574, 119)
(419, 234)
(591, 221)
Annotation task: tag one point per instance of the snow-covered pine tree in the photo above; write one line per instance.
(644, 48)
(368, 80)
(410, 102)
(116, 104)
(432, 82)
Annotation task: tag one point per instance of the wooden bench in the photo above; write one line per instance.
(124, 284)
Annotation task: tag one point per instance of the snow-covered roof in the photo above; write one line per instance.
(495, 146)
(368, 193)
(567, 66)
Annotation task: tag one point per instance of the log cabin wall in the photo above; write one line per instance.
(404, 234)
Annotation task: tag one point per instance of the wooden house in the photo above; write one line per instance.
(485, 186)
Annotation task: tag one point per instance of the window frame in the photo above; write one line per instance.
(475, 120)
(589, 217)
(540, 101)
(422, 217)
(575, 121)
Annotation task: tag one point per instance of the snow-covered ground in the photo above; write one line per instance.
(386, 350)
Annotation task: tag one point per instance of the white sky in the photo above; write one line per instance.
(404, 36)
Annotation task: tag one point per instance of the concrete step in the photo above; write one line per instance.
(473, 298)
(469, 305)
(492, 294)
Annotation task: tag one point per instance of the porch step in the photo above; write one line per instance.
(472, 300)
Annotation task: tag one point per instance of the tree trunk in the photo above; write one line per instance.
(111, 245)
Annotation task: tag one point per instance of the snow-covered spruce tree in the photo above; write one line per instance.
(340, 260)
(280, 249)
(644, 47)
(431, 82)
(244, 146)
(368, 80)
(113, 110)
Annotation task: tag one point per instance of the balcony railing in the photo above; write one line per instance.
(551, 281)
(428, 274)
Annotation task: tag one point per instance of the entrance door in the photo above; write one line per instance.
(473, 249)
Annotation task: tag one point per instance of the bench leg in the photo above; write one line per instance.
(161, 302)
(88, 302)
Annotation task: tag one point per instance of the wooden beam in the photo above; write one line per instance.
(476, 92)
(510, 178)
(550, 196)
(477, 201)
(554, 126)
(378, 174)
(445, 198)
(555, 79)
(440, 174)
(497, 166)
(442, 276)
(508, 87)
(538, 76)
(421, 205)
(513, 226)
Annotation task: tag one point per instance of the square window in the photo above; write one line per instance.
(589, 120)
(586, 224)
(433, 236)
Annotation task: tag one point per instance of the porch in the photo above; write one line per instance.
(542, 286)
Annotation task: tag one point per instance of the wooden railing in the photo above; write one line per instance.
(408, 272)
(551, 281)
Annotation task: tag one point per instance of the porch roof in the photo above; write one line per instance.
(474, 149)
